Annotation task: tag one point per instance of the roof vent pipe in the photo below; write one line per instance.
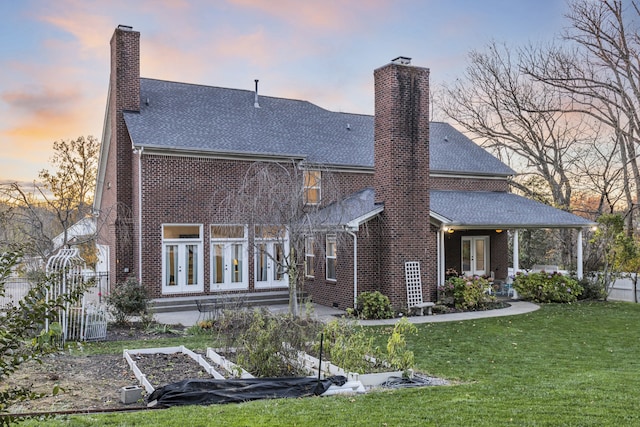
(255, 102)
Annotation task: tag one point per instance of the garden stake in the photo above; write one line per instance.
(320, 357)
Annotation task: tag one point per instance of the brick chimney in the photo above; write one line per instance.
(124, 95)
(401, 177)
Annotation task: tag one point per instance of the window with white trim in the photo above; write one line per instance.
(312, 187)
(309, 257)
(331, 251)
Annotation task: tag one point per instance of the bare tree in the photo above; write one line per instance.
(597, 178)
(600, 72)
(56, 202)
(518, 118)
(521, 120)
(274, 202)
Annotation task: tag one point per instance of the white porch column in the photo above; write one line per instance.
(516, 254)
(579, 265)
(441, 258)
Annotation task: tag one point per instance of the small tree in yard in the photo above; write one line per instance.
(282, 203)
(58, 200)
(20, 324)
(619, 252)
(128, 299)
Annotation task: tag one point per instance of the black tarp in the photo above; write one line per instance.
(210, 391)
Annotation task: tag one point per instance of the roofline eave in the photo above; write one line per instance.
(459, 226)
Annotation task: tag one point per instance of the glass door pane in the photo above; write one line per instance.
(218, 264)
(238, 263)
(262, 261)
(480, 265)
(171, 265)
(192, 264)
(466, 256)
(278, 271)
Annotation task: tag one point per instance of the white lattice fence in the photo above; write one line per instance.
(414, 283)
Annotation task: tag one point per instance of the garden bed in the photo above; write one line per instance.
(148, 365)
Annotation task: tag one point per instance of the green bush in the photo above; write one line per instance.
(374, 305)
(593, 289)
(128, 299)
(547, 287)
(267, 344)
(468, 293)
(397, 353)
(346, 344)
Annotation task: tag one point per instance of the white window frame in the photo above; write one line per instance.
(472, 255)
(244, 241)
(331, 238)
(307, 188)
(183, 242)
(280, 237)
(309, 257)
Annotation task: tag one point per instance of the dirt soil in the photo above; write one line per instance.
(95, 382)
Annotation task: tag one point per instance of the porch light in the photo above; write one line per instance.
(450, 231)
(498, 231)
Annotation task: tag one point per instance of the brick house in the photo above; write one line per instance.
(413, 190)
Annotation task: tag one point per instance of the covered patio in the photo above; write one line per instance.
(472, 228)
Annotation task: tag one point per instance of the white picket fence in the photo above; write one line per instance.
(622, 290)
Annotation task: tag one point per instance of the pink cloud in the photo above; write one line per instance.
(320, 15)
(41, 100)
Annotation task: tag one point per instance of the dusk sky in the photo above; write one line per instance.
(54, 54)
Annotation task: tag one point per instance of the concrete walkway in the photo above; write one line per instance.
(326, 314)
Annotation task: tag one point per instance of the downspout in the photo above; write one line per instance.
(140, 214)
(441, 256)
(355, 268)
(579, 265)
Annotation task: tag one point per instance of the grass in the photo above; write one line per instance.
(563, 365)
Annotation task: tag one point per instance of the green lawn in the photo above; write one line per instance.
(575, 365)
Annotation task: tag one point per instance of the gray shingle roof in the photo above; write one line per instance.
(182, 116)
(499, 210)
(212, 119)
(451, 151)
(357, 206)
(464, 209)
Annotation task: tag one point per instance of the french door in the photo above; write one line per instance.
(229, 256)
(475, 255)
(182, 268)
(270, 259)
(228, 266)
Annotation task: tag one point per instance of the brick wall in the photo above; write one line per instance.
(191, 190)
(340, 293)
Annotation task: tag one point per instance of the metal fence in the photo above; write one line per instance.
(15, 289)
(84, 321)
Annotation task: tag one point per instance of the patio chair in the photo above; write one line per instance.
(207, 309)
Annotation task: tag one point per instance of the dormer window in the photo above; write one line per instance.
(312, 187)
